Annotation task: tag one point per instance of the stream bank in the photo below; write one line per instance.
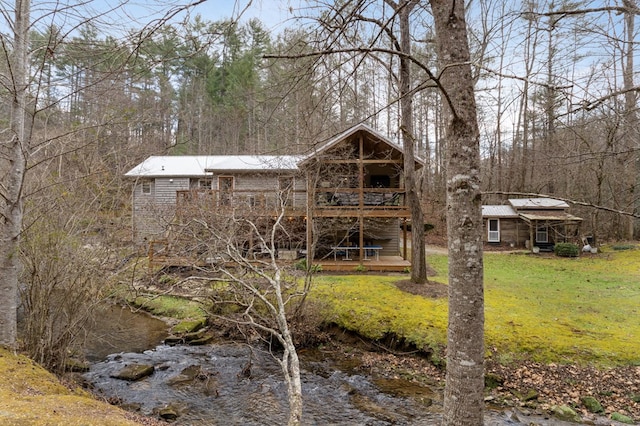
(363, 383)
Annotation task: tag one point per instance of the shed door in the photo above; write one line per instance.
(493, 226)
(542, 235)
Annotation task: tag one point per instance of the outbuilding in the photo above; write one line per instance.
(534, 223)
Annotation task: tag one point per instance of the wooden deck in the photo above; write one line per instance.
(383, 264)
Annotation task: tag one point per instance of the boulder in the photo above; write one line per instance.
(526, 395)
(188, 326)
(168, 413)
(205, 339)
(77, 366)
(173, 340)
(565, 413)
(592, 404)
(187, 375)
(622, 418)
(134, 372)
(492, 381)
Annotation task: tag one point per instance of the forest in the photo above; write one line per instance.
(89, 90)
(555, 88)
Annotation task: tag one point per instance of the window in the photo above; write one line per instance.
(146, 186)
(542, 235)
(204, 183)
(493, 226)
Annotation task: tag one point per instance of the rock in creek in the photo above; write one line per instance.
(168, 413)
(133, 372)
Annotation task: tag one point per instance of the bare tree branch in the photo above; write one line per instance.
(566, 200)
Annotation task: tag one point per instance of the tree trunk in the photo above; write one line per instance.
(12, 206)
(463, 399)
(412, 186)
(631, 117)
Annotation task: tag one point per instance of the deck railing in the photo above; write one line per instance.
(349, 198)
(269, 202)
(258, 201)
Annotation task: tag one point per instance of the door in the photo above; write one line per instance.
(493, 226)
(542, 235)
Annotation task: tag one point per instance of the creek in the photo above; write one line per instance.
(210, 385)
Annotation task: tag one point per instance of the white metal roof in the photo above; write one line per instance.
(198, 165)
(537, 203)
(498, 211)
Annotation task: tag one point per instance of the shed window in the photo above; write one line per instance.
(493, 226)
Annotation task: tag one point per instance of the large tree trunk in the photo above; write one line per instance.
(17, 152)
(463, 399)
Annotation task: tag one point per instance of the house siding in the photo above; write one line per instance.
(512, 231)
(390, 241)
(153, 212)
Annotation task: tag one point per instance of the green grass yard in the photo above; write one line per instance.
(545, 308)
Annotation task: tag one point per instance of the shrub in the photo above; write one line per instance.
(623, 247)
(301, 265)
(360, 268)
(566, 250)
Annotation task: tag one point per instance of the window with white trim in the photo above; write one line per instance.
(493, 229)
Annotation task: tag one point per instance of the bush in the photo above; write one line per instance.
(360, 268)
(301, 265)
(619, 247)
(566, 250)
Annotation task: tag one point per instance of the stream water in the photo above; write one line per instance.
(209, 385)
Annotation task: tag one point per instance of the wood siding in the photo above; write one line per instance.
(512, 231)
(153, 212)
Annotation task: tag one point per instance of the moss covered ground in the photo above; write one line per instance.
(544, 308)
(29, 395)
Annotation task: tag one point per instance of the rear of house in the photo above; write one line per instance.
(347, 196)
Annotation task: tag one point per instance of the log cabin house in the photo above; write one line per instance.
(545, 221)
(347, 196)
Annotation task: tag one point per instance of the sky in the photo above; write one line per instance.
(123, 15)
(272, 13)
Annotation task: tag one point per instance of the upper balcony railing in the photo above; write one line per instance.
(365, 198)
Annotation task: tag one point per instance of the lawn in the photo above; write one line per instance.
(545, 308)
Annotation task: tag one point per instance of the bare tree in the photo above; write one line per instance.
(252, 288)
(14, 153)
(412, 177)
(62, 281)
(463, 399)
(31, 129)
